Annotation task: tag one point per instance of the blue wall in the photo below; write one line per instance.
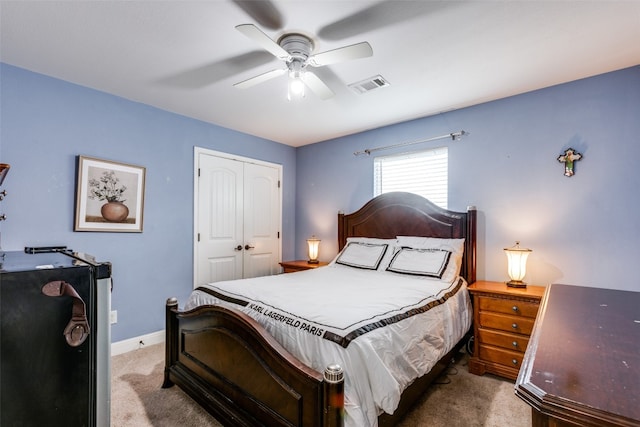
(46, 123)
(583, 229)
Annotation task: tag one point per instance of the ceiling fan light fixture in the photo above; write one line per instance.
(296, 51)
(295, 88)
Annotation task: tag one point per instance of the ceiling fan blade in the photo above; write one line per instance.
(208, 74)
(260, 78)
(255, 34)
(316, 85)
(347, 53)
(264, 12)
(380, 15)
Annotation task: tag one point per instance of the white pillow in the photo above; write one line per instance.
(392, 243)
(420, 262)
(362, 255)
(455, 246)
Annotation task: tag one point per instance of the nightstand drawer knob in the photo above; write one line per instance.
(514, 361)
(514, 326)
(515, 343)
(515, 308)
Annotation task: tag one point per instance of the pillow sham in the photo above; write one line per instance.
(455, 246)
(363, 255)
(374, 240)
(420, 262)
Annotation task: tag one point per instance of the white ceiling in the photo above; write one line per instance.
(185, 56)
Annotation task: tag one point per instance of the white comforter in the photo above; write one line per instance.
(387, 329)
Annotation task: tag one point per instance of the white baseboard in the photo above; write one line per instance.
(135, 343)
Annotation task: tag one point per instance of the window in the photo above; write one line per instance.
(424, 173)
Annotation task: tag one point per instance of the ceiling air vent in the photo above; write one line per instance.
(369, 84)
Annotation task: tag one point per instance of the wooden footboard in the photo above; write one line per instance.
(231, 366)
(234, 369)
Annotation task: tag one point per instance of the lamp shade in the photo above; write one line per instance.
(517, 265)
(313, 243)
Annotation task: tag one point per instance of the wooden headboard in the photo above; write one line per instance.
(407, 214)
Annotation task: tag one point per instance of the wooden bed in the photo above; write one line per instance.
(231, 366)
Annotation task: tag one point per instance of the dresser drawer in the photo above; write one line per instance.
(513, 342)
(519, 325)
(501, 356)
(506, 306)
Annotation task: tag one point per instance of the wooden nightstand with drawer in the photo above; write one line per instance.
(300, 265)
(503, 319)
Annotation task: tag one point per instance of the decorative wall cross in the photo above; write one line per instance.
(568, 158)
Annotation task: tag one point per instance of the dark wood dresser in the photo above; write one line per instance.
(582, 366)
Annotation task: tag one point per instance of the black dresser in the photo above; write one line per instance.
(54, 340)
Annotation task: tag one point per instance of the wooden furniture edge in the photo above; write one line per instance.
(290, 266)
(501, 288)
(549, 410)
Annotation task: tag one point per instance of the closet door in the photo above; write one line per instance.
(237, 219)
(220, 199)
(261, 255)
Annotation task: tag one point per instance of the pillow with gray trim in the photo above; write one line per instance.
(420, 262)
(362, 255)
(455, 246)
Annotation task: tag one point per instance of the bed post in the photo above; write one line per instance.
(333, 391)
(342, 238)
(470, 249)
(170, 345)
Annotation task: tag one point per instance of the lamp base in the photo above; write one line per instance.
(313, 261)
(516, 284)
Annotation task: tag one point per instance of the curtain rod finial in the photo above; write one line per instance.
(457, 136)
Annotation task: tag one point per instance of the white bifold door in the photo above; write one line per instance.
(238, 218)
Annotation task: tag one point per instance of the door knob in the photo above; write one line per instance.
(247, 247)
(238, 248)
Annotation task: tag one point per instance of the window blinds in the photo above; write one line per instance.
(423, 172)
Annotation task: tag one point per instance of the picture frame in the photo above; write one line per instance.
(109, 196)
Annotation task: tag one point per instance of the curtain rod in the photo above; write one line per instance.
(455, 136)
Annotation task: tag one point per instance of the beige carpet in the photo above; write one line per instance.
(459, 398)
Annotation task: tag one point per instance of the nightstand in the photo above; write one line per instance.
(299, 265)
(503, 319)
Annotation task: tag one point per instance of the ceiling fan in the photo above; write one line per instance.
(296, 51)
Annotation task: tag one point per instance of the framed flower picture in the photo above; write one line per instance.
(109, 196)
